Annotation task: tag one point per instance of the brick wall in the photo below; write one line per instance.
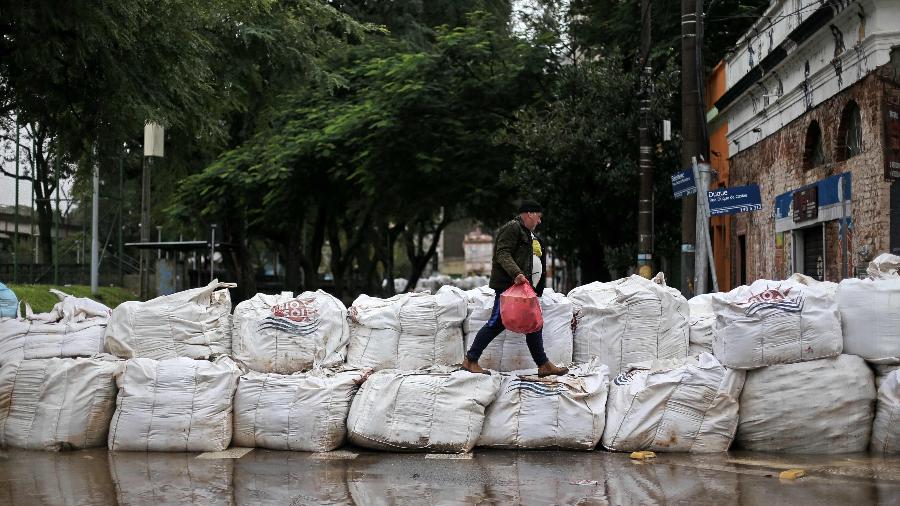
(776, 165)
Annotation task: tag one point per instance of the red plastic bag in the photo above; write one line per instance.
(520, 309)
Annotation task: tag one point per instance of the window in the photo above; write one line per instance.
(813, 153)
(849, 141)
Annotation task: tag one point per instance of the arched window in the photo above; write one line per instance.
(813, 154)
(849, 140)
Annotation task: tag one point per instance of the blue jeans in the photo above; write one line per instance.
(494, 327)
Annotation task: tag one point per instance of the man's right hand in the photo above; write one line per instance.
(520, 279)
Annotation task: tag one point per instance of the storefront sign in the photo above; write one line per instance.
(891, 142)
(739, 199)
(683, 184)
(806, 204)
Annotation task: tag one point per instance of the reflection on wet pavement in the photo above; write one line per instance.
(265, 477)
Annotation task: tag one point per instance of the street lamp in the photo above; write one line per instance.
(153, 148)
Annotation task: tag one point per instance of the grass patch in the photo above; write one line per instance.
(42, 300)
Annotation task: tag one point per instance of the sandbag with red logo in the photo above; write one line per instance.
(776, 322)
(520, 309)
(284, 334)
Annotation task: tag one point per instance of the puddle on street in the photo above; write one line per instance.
(491, 477)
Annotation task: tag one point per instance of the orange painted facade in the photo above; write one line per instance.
(720, 226)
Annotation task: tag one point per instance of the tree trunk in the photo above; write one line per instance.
(418, 259)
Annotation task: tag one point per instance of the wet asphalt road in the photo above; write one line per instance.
(353, 476)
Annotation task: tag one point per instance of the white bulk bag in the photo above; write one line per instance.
(299, 412)
(557, 412)
(435, 410)
(174, 405)
(57, 403)
(194, 323)
(776, 322)
(680, 405)
(886, 429)
(73, 328)
(630, 320)
(882, 371)
(285, 334)
(407, 331)
(870, 318)
(820, 406)
(701, 324)
(885, 266)
(508, 351)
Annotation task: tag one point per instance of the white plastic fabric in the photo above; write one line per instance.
(776, 322)
(194, 323)
(886, 429)
(820, 406)
(73, 328)
(630, 320)
(435, 410)
(57, 403)
(885, 266)
(882, 371)
(300, 412)
(407, 331)
(555, 412)
(870, 318)
(701, 324)
(508, 351)
(681, 405)
(174, 405)
(285, 334)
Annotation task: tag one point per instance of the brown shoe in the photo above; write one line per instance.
(549, 369)
(472, 366)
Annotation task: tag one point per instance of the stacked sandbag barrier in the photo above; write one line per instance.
(437, 409)
(630, 320)
(285, 334)
(194, 323)
(701, 324)
(508, 351)
(563, 412)
(298, 412)
(679, 405)
(818, 406)
(886, 429)
(73, 328)
(178, 404)
(776, 322)
(407, 331)
(57, 403)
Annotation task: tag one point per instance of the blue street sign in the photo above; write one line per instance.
(683, 184)
(739, 199)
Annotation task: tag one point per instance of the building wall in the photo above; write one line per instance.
(775, 163)
(720, 226)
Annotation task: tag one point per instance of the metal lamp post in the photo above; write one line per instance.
(153, 148)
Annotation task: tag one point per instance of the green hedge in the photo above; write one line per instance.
(42, 300)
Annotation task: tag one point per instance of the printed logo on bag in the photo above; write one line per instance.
(540, 388)
(296, 316)
(624, 378)
(775, 299)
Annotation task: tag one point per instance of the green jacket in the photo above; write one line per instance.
(513, 255)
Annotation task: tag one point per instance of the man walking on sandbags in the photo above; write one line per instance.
(518, 259)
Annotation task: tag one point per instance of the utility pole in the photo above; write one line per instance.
(691, 137)
(58, 154)
(120, 221)
(16, 229)
(645, 164)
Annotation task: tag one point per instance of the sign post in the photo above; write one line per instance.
(704, 257)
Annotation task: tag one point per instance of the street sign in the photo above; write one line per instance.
(891, 142)
(806, 204)
(683, 184)
(739, 199)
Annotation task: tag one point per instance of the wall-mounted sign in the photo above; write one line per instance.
(806, 204)
(683, 184)
(740, 199)
(891, 142)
